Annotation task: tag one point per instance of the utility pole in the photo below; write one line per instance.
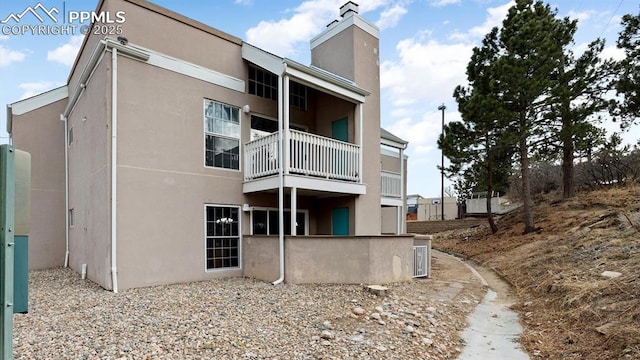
(442, 108)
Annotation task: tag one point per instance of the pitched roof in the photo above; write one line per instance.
(386, 135)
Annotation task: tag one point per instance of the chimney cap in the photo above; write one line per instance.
(346, 8)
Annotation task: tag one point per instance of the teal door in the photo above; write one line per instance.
(340, 221)
(340, 129)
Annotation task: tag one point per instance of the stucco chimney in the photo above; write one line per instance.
(348, 7)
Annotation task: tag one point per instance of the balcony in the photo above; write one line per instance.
(391, 184)
(315, 162)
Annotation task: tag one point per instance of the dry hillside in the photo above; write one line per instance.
(569, 308)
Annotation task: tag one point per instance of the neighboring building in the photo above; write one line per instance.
(186, 154)
(412, 206)
(477, 204)
(427, 209)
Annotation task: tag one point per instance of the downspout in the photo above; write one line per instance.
(282, 103)
(66, 190)
(114, 178)
(86, 74)
(73, 100)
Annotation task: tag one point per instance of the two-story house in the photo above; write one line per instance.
(177, 152)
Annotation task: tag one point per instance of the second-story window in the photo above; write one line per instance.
(222, 135)
(298, 95)
(263, 83)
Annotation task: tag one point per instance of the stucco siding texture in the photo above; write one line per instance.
(90, 177)
(163, 183)
(327, 260)
(41, 133)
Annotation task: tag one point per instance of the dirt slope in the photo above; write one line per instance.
(568, 308)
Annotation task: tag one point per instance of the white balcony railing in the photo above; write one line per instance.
(309, 154)
(261, 157)
(391, 184)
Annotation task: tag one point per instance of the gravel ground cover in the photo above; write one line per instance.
(239, 318)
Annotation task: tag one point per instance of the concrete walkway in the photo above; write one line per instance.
(494, 329)
(493, 332)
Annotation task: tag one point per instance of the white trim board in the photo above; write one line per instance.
(38, 101)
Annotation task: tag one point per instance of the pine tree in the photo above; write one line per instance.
(628, 83)
(474, 146)
(577, 97)
(532, 42)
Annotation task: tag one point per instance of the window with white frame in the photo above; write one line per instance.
(222, 135)
(222, 237)
(265, 222)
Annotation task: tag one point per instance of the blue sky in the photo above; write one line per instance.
(425, 46)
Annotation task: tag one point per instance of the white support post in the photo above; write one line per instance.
(286, 133)
(281, 182)
(360, 137)
(294, 210)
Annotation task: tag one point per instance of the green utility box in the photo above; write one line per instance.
(7, 196)
(21, 274)
(22, 211)
(15, 207)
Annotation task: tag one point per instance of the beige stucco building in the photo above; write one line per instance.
(177, 152)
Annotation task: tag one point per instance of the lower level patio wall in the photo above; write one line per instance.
(331, 259)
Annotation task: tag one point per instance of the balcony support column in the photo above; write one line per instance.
(285, 125)
(359, 111)
(294, 210)
(281, 181)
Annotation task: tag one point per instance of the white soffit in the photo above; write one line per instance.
(391, 201)
(322, 84)
(38, 101)
(263, 59)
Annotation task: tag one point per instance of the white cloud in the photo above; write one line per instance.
(4, 37)
(391, 16)
(7, 56)
(243, 2)
(495, 16)
(282, 37)
(420, 134)
(35, 88)
(612, 52)
(425, 76)
(426, 70)
(441, 3)
(66, 54)
(581, 15)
